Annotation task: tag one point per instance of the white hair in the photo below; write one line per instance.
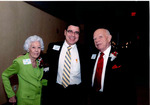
(31, 39)
(108, 33)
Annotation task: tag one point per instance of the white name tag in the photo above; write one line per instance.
(56, 47)
(26, 61)
(46, 69)
(93, 56)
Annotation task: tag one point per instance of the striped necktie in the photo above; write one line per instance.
(67, 68)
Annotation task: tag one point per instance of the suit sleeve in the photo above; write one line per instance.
(13, 69)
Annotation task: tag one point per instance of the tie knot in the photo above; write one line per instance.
(69, 47)
(102, 53)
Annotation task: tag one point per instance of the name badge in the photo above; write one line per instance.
(26, 61)
(46, 69)
(93, 56)
(56, 47)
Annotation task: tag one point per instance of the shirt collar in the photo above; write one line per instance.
(66, 45)
(107, 51)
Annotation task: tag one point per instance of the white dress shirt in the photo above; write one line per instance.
(105, 57)
(75, 73)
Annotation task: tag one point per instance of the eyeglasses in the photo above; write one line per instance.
(71, 32)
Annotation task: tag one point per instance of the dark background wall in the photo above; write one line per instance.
(127, 21)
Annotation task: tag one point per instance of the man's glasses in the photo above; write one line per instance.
(71, 32)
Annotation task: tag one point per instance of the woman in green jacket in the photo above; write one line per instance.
(29, 74)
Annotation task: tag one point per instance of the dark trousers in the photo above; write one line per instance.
(111, 98)
(58, 95)
(97, 98)
(72, 95)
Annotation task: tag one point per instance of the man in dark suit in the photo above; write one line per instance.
(73, 91)
(110, 80)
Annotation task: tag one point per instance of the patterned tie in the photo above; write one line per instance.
(97, 80)
(67, 68)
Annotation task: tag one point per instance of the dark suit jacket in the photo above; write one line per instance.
(118, 83)
(53, 59)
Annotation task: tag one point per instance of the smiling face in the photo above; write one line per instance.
(72, 34)
(102, 39)
(34, 50)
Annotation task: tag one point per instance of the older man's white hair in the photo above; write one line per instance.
(31, 39)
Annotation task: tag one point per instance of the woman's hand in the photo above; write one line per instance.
(12, 100)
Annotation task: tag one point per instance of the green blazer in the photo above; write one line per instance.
(29, 78)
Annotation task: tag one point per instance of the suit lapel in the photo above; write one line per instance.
(109, 71)
(58, 53)
(94, 58)
(55, 56)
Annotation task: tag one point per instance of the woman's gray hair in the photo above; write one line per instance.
(31, 39)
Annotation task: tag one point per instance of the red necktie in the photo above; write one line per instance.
(97, 80)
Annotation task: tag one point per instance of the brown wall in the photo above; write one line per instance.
(19, 20)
